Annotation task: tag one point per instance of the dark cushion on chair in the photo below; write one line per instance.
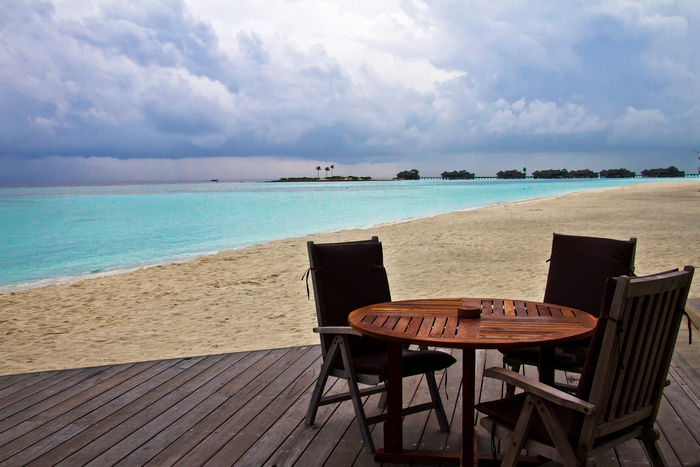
(349, 276)
(563, 358)
(578, 270)
(583, 390)
(507, 411)
(414, 362)
(579, 267)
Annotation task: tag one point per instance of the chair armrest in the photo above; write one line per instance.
(342, 330)
(541, 390)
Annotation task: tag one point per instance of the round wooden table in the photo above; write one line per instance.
(504, 324)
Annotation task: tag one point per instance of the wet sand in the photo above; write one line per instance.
(253, 298)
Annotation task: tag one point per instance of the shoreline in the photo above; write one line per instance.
(4, 289)
(252, 298)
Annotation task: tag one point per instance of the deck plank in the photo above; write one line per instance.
(100, 421)
(268, 405)
(298, 441)
(667, 450)
(280, 430)
(246, 406)
(44, 424)
(677, 434)
(36, 393)
(433, 439)
(685, 405)
(48, 448)
(253, 374)
(140, 414)
(13, 383)
(248, 409)
(199, 399)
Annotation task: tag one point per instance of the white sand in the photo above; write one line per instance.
(254, 299)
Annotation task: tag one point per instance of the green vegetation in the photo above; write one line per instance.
(414, 174)
(335, 178)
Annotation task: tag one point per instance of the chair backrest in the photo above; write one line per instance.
(579, 267)
(631, 350)
(347, 276)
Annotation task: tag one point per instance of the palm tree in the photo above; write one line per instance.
(332, 167)
(318, 171)
(327, 170)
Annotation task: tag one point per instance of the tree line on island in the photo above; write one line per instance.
(551, 174)
(332, 178)
(414, 174)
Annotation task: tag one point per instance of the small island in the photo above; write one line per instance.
(335, 178)
(332, 178)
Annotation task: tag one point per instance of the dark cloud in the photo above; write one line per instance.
(514, 80)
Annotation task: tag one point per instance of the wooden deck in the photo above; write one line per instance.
(248, 409)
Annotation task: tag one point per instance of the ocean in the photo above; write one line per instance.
(52, 234)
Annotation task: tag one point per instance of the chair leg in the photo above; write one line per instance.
(566, 454)
(356, 397)
(435, 396)
(510, 388)
(657, 459)
(522, 428)
(326, 368)
(382, 400)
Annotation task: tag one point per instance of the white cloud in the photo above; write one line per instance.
(541, 118)
(379, 35)
(641, 124)
(47, 124)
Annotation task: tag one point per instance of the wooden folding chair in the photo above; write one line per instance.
(621, 385)
(347, 276)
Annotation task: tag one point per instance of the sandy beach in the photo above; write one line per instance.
(253, 298)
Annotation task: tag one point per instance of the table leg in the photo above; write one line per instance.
(393, 426)
(393, 451)
(468, 371)
(546, 367)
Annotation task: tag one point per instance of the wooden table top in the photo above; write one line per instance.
(503, 324)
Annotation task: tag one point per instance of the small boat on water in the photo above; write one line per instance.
(215, 180)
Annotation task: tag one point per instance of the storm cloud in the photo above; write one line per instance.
(371, 86)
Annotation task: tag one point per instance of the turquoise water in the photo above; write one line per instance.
(49, 233)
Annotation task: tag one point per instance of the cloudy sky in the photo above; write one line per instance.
(250, 89)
